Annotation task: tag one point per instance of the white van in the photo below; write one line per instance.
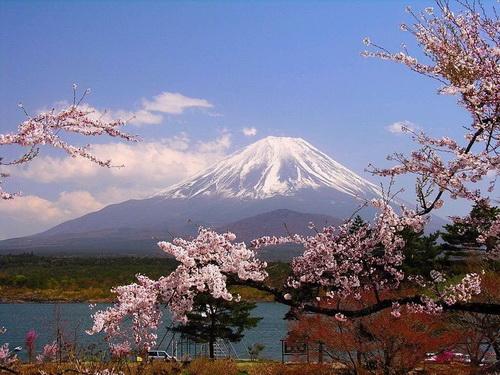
(159, 354)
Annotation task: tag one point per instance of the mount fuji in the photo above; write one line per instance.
(273, 166)
(273, 181)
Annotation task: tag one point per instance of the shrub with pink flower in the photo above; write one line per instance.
(49, 352)
(7, 358)
(121, 350)
(30, 341)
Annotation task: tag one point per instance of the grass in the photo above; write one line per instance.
(217, 367)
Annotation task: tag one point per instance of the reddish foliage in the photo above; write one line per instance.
(380, 341)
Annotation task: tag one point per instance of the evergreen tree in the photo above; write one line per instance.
(357, 223)
(462, 237)
(423, 253)
(213, 319)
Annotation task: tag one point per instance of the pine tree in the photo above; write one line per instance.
(357, 223)
(213, 319)
(423, 253)
(462, 237)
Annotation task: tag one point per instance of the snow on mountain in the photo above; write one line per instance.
(273, 166)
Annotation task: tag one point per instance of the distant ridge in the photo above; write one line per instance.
(277, 223)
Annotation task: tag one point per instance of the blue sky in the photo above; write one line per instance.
(283, 68)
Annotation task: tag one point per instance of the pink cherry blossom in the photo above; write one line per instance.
(48, 128)
(346, 263)
(121, 350)
(139, 302)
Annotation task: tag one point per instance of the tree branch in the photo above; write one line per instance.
(279, 296)
(442, 190)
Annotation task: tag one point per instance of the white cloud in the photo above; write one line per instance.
(179, 142)
(150, 167)
(399, 126)
(174, 103)
(140, 117)
(249, 132)
(161, 162)
(30, 214)
(151, 112)
(218, 145)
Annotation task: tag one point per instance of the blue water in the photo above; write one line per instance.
(72, 319)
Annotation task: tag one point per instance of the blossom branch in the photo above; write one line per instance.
(45, 129)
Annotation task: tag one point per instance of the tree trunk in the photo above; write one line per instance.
(211, 342)
(496, 348)
(211, 339)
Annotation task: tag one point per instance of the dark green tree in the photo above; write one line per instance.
(461, 238)
(213, 319)
(423, 253)
(357, 223)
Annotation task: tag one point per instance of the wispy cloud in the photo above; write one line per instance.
(220, 144)
(249, 132)
(150, 112)
(173, 103)
(399, 127)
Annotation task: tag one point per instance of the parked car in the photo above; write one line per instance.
(447, 356)
(159, 354)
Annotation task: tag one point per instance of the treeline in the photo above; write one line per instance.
(29, 277)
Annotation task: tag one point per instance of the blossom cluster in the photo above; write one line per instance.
(488, 227)
(137, 302)
(492, 234)
(204, 263)
(463, 291)
(121, 350)
(345, 262)
(47, 128)
(445, 294)
(6, 356)
(49, 352)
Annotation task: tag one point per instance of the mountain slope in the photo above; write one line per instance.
(274, 173)
(277, 223)
(273, 166)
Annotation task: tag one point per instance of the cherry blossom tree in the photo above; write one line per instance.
(462, 52)
(204, 265)
(48, 128)
(345, 263)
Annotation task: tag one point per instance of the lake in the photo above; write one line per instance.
(74, 318)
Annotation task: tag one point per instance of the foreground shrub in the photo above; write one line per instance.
(99, 368)
(295, 369)
(205, 366)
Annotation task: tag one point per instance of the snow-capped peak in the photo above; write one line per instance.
(272, 166)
